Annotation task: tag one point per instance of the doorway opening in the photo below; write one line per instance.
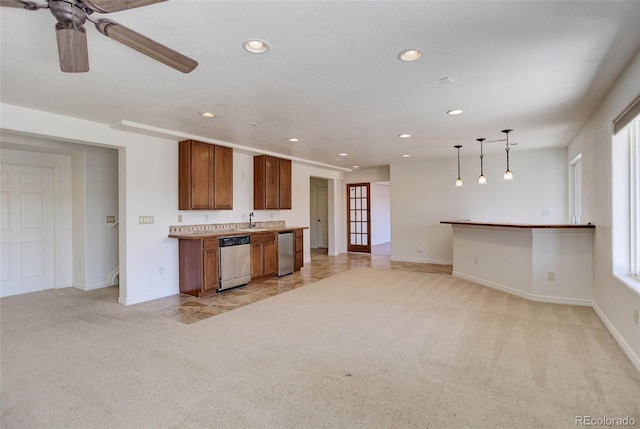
(74, 211)
(318, 216)
(369, 218)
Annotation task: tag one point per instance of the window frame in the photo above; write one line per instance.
(625, 204)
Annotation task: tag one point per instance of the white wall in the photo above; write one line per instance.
(148, 186)
(368, 175)
(423, 194)
(380, 213)
(613, 299)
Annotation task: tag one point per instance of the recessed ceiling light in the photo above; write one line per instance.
(207, 114)
(410, 55)
(343, 154)
(405, 155)
(404, 136)
(255, 46)
(356, 166)
(293, 139)
(446, 81)
(455, 112)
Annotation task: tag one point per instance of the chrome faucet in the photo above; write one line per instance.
(251, 225)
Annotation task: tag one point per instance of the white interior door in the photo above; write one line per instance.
(322, 218)
(26, 228)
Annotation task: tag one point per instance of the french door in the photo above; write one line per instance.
(358, 218)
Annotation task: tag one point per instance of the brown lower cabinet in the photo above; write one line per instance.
(199, 262)
(299, 250)
(264, 255)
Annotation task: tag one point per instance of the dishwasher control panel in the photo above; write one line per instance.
(234, 241)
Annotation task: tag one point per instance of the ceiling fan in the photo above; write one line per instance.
(72, 37)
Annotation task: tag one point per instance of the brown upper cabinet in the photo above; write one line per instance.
(271, 183)
(205, 176)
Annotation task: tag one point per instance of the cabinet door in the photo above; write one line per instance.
(211, 261)
(272, 182)
(299, 250)
(223, 178)
(285, 184)
(257, 260)
(258, 182)
(270, 258)
(201, 171)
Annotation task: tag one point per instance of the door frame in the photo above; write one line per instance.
(359, 247)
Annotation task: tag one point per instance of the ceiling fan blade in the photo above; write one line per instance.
(21, 4)
(72, 49)
(106, 6)
(146, 46)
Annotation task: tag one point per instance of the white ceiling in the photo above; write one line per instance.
(332, 77)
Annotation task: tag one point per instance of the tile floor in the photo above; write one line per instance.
(189, 309)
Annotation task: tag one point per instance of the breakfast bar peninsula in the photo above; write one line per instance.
(547, 263)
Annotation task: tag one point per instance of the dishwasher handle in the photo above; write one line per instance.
(236, 240)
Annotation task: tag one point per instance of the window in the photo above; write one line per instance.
(575, 184)
(626, 201)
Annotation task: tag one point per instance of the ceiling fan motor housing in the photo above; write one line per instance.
(69, 13)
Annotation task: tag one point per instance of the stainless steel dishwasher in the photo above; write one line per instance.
(235, 261)
(285, 253)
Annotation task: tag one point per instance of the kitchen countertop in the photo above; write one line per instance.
(514, 225)
(200, 235)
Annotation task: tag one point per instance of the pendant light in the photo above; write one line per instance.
(458, 180)
(508, 175)
(482, 180)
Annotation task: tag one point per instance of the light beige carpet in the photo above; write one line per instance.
(363, 349)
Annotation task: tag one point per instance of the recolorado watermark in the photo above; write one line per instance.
(605, 421)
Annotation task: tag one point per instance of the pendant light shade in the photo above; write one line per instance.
(458, 180)
(508, 175)
(482, 180)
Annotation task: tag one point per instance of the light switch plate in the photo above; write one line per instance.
(145, 219)
(111, 219)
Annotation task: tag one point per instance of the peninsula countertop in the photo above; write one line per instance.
(515, 225)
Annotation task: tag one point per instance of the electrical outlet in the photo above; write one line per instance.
(206, 218)
(546, 212)
(145, 219)
(161, 270)
(419, 248)
(475, 260)
(635, 315)
(179, 218)
(551, 276)
(111, 219)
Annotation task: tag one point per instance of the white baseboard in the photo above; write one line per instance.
(130, 300)
(422, 261)
(92, 287)
(634, 358)
(525, 295)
